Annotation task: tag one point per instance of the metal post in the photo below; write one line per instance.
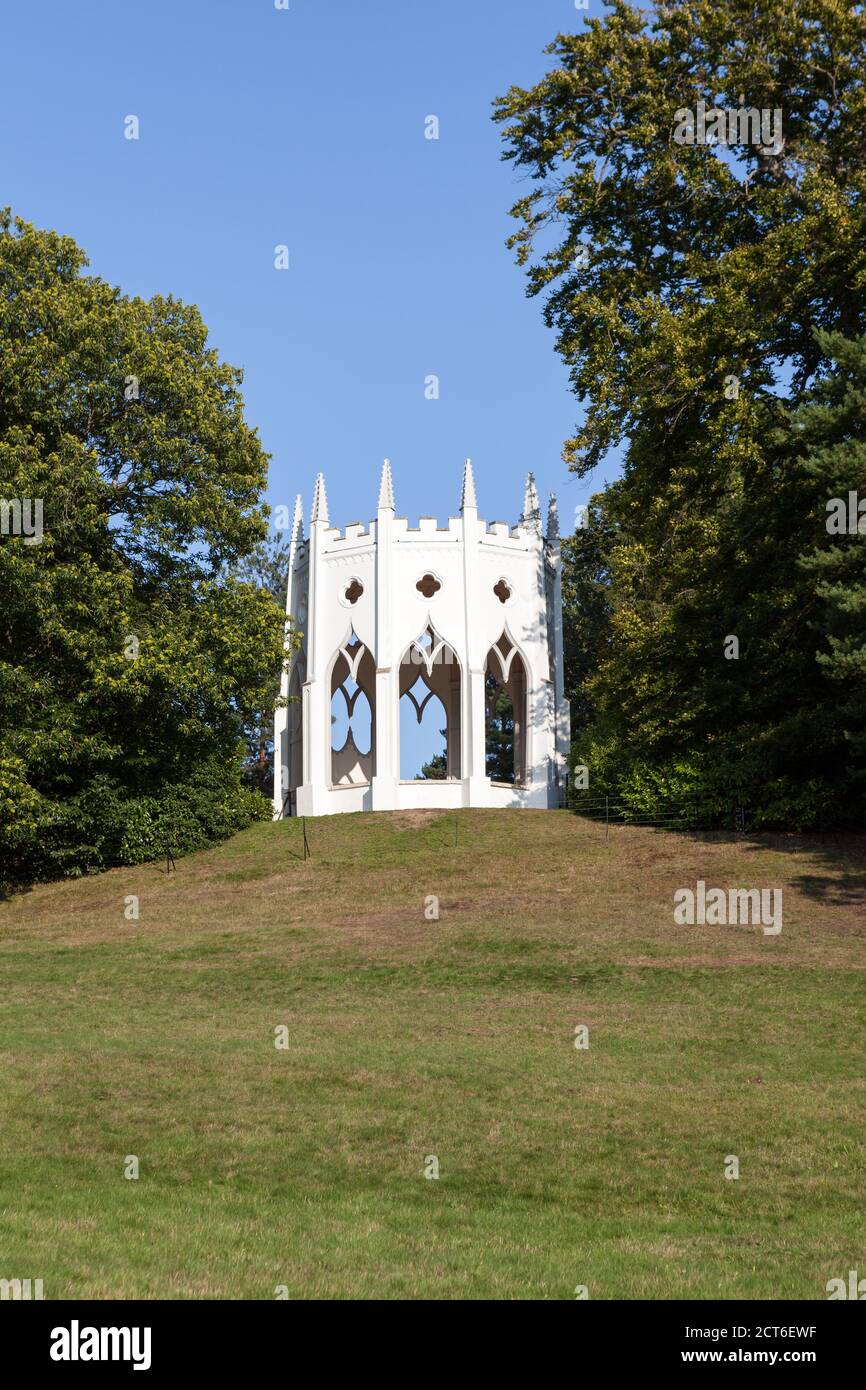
(606, 817)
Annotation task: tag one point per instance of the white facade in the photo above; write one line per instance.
(462, 612)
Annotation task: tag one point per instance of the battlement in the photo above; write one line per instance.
(524, 533)
(356, 535)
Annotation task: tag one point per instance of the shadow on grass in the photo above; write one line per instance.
(840, 892)
(842, 857)
(13, 890)
(840, 854)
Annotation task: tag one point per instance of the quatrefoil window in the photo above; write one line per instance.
(428, 585)
(502, 591)
(353, 591)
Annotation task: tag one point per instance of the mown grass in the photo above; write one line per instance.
(407, 1038)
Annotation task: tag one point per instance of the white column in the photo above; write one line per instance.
(313, 792)
(476, 785)
(386, 777)
(281, 716)
(539, 729)
(561, 709)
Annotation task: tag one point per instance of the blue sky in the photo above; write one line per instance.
(305, 127)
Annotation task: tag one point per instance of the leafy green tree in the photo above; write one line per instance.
(686, 284)
(831, 430)
(499, 732)
(130, 663)
(267, 568)
(436, 768)
(585, 608)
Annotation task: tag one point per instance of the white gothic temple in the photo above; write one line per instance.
(460, 613)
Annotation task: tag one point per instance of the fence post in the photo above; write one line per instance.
(606, 816)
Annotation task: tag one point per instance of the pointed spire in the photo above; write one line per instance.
(531, 509)
(467, 496)
(320, 500)
(297, 533)
(386, 488)
(552, 519)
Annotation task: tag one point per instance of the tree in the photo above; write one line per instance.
(266, 568)
(585, 608)
(499, 732)
(436, 769)
(130, 662)
(686, 283)
(831, 428)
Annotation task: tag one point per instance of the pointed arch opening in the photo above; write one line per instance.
(429, 700)
(505, 686)
(353, 714)
(295, 729)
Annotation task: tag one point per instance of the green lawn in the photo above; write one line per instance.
(559, 1167)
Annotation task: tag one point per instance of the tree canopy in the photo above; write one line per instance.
(691, 288)
(131, 662)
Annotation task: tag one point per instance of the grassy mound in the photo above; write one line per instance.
(303, 1166)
